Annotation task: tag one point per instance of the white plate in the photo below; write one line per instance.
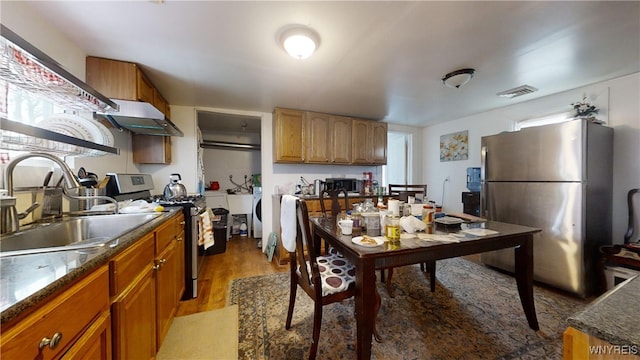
(448, 220)
(358, 240)
(479, 232)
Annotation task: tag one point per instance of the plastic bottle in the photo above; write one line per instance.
(243, 229)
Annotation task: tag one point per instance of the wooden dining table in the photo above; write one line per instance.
(413, 250)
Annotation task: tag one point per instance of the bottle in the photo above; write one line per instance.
(243, 229)
(427, 214)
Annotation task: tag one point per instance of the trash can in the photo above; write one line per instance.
(219, 223)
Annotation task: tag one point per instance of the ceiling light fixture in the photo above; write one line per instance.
(458, 78)
(300, 41)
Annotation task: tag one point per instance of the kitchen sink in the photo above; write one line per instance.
(76, 233)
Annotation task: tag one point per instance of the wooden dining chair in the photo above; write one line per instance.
(404, 191)
(334, 195)
(326, 279)
(616, 254)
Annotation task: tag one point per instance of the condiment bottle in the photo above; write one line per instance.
(427, 214)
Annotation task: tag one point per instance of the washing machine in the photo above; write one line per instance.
(257, 212)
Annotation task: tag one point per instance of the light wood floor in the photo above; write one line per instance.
(242, 259)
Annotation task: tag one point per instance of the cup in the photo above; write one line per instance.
(346, 226)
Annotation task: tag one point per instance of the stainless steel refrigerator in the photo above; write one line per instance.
(557, 178)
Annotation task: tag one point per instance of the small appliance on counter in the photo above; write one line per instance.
(350, 185)
(174, 190)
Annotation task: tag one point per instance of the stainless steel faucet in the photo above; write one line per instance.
(71, 183)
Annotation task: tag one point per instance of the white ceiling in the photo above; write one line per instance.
(379, 60)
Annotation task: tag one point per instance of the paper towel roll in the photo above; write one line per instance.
(394, 207)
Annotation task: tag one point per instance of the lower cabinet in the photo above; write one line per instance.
(95, 344)
(147, 284)
(167, 264)
(121, 310)
(133, 308)
(74, 324)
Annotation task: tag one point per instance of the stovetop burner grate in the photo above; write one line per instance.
(191, 199)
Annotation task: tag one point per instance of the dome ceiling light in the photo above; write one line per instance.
(300, 41)
(458, 78)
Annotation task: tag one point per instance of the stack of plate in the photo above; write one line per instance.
(80, 128)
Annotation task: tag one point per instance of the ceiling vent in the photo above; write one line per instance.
(518, 91)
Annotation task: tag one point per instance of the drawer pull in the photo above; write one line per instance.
(52, 342)
(179, 238)
(156, 267)
(182, 222)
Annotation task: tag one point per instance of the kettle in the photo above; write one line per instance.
(174, 190)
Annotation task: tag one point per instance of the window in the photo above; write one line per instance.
(399, 156)
(545, 120)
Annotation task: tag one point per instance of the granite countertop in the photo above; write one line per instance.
(25, 280)
(614, 316)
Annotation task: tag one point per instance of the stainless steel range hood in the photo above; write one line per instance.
(142, 118)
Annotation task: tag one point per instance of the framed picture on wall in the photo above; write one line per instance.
(454, 146)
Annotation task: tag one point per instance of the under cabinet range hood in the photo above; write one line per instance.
(142, 118)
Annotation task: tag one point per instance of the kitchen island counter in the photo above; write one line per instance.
(614, 316)
(26, 280)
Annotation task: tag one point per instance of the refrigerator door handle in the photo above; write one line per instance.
(484, 153)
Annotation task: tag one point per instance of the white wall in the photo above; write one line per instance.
(618, 101)
(220, 163)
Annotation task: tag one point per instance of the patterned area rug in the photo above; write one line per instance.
(475, 313)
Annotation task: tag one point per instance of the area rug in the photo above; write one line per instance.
(475, 313)
(206, 335)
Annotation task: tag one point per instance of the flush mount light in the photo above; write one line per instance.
(300, 41)
(456, 79)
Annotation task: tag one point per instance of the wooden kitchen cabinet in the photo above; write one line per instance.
(288, 132)
(126, 81)
(96, 342)
(327, 139)
(369, 141)
(151, 149)
(318, 138)
(169, 271)
(77, 318)
(123, 80)
(133, 292)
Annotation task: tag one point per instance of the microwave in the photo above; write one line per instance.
(350, 185)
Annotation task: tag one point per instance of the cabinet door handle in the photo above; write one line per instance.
(52, 342)
(156, 267)
(182, 222)
(179, 238)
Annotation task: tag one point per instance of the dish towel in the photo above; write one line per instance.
(288, 222)
(206, 230)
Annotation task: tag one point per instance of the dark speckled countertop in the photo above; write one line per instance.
(614, 316)
(26, 280)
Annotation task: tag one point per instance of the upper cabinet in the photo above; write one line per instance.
(369, 142)
(327, 139)
(318, 138)
(123, 80)
(287, 135)
(126, 81)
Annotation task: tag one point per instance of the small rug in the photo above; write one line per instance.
(475, 313)
(206, 335)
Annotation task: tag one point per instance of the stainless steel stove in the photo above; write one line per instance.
(138, 186)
